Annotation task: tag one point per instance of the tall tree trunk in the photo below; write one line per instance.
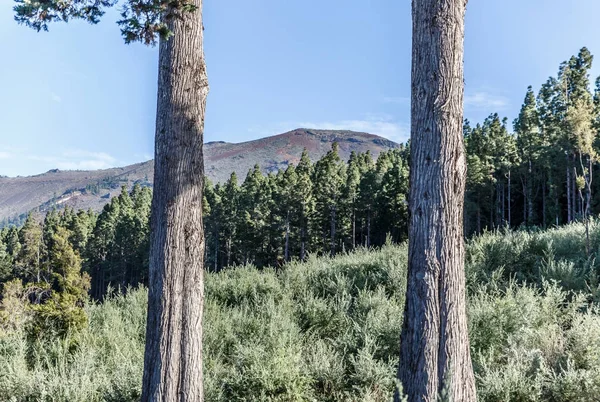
(523, 182)
(590, 177)
(302, 242)
(216, 234)
(556, 206)
(569, 206)
(229, 246)
(287, 237)
(173, 355)
(503, 205)
(353, 228)
(369, 227)
(492, 220)
(574, 190)
(588, 204)
(434, 350)
(544, 201)
(530, 197)
(509, 201)
(333, 217)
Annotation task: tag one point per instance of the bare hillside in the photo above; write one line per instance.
(92, 189)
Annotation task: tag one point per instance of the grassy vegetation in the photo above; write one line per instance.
(328, 330)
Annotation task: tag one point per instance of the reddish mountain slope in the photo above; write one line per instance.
(92, 189)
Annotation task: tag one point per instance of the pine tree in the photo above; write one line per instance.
(30, 262)
(213, 220)
(288, 207)
(393, 200)
(350, 198)
(11, 239)
(254, 217)
(99, 250)
(580, 124)
(229, 225)
(368, 193)
(554, 149)
(63, 311)
(529, 145)
(329, 179)
(6, 263)
(305, 202)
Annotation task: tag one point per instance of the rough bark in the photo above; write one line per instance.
(353, 228)
(574, 191)
(569, 208)
(287, 237)
(530, 220)
(369, 227)
(509, 201)
(173, 356)
(524, 200)
(434, 351)
(333, 218)
(302, 244)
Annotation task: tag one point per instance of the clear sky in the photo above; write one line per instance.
(78, 98)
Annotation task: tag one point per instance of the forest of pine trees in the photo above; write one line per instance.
(540, 174)
(313, 208)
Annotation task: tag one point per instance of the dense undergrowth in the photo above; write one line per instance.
(328, 329)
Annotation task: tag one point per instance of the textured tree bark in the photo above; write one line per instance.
(302, 244)
(434, 351)
(503, 202)
(575, 204)
(216, 235)
(173, 356)
(524, 200)
(544, 202)
(353, 228)
(369, 227)
(287, 237)
(509, 202)
(569, 209)
(530, 196)
(333, 217)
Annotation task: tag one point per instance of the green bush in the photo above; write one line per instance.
(328, 330)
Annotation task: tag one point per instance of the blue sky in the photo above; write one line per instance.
(78, 98)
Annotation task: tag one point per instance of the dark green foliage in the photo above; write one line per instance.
(31, 264)
(146, 20)
(142, 20)
(323, 208)
(61, 310)
(309, 209)
(37, 14)
(117, 249)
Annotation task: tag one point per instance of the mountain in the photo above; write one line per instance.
(93, 189)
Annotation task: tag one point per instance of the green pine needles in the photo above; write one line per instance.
(143, 21)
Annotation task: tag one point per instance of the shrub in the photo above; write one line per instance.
(328, 330)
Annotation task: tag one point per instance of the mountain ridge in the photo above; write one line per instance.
(94, 188)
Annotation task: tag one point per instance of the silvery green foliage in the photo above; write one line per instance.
(327, 330)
